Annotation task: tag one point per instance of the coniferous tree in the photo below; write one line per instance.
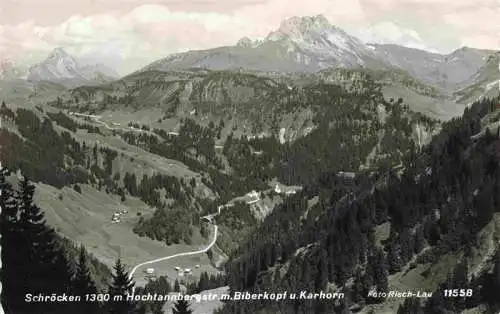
(410, 306)
(322, 273)
(460, 279)
(34, 233)
(84, 284)
(8, 219)
(120, 287)
(37, 263)
(49, 270)
(204, 282)
(157, 308)
(181, 307)
(491, 285)
(436, 304)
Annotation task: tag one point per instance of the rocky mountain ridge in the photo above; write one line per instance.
(312, 43)
(62, 68)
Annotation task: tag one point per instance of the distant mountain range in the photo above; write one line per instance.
(61, 68)
(308, 44)
(484, 83)
(300, 44)
(448, 71)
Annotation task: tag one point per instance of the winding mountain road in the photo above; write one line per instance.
(162, 259)
(209, 217)
(107, 126)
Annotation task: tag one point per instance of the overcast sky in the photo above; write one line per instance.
(127, 34)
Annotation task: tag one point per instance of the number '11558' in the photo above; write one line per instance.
(450, 293)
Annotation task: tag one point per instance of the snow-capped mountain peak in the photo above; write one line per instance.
(298, 44)
(315, 35)
(313, 30)
(58, 53)
(300, 26)
(61, 67)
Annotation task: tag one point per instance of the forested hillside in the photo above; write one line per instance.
(44, 273)
(54, 156)
(346, 128)
(36, 260)
(436, 205)
(382, 205)
(335, 128)
(353, 130)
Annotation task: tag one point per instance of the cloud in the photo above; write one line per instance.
(392, 33)
(144, 32)
(468, 20)
(479, 26)
(153, 31)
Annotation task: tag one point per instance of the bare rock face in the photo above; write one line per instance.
(299, 44)
(61, 67)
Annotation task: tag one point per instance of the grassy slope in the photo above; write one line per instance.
(86, 218)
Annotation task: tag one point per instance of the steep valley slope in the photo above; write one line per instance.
(246, 132)
(410, 228)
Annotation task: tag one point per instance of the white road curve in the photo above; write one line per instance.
(162, 259)
(107, 126)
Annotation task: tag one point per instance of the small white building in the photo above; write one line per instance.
(150, 271)
(277, 189)
(177, 268)
(187, 270)
(290, 192)
(254, 197)
(347, 175)
(253, 194)
(197, 266)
